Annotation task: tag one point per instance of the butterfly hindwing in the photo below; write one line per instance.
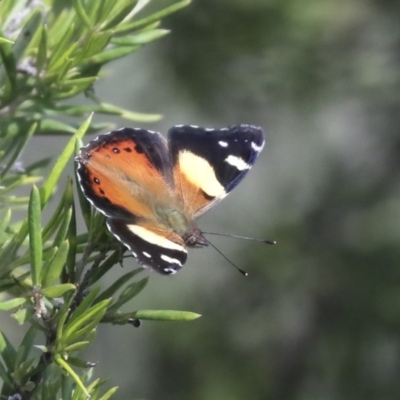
(156, 249)
(209, 163)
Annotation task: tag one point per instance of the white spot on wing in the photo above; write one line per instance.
(170, 260)
(257, 148)
(153, 238)
(198, 171)
(170, 271)
(146, 254)
(223, 144)
(237, 162)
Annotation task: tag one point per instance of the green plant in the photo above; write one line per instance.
(49, 273)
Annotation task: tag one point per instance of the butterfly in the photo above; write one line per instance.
(152, 189)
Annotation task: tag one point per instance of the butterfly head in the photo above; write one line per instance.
(194, 238)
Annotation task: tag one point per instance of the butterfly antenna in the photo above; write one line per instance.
(227, 259)
(241, 237)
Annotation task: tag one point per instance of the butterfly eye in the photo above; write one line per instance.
(195, 238)
(191, 241)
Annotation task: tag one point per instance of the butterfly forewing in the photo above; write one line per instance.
(209, 163)
(123, 172)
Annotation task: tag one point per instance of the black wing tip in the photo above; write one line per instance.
(240, 130)
(239, 126)
(248, 129)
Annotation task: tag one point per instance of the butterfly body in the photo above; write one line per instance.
(151, 190)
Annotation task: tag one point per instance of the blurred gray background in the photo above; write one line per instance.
(319, 315)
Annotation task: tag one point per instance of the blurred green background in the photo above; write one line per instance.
(319, 315)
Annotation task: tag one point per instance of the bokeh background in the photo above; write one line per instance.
(319, 315)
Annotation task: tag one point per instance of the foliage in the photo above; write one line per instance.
(49, 274)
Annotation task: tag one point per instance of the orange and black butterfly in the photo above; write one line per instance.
(152, 190)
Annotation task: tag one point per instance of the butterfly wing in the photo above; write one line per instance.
(124, 174)
(125, 171)
(157, 249)
(209, 163)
